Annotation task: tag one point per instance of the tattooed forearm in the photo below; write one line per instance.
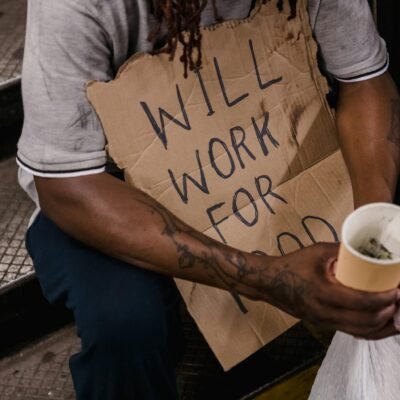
(208, 257)
(394, 131)
(232, 268)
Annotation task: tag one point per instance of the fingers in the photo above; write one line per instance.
(385, 332)
(340, 296)
(361, 323)
(329, 303)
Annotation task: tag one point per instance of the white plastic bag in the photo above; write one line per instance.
(356, 369)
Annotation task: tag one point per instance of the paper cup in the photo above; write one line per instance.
(380, 221)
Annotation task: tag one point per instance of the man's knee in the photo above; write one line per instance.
(125, 353)
(138, 328)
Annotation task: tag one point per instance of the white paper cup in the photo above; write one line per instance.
(380, 221)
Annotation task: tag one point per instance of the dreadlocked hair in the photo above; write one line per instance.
(182, 19)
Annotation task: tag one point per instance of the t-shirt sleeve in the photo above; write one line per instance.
(349, 42)
(66, 46)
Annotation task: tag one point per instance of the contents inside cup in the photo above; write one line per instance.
(375, 249)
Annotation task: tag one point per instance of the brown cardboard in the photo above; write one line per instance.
(297, 156)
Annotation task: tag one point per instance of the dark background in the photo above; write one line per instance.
(389, 27)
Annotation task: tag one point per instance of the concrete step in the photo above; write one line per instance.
(12, 35)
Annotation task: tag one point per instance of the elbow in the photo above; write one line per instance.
(46, 195)
(55, 198)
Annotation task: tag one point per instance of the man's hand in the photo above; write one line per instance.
(303, 284)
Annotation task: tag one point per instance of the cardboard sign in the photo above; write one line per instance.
(244, 151)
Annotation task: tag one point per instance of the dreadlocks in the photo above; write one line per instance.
(182, 19)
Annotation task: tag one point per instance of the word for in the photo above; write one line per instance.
(263, 186)
(236, 152)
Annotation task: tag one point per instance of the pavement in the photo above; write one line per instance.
(12, 35)
(15, 211)
(40, 371)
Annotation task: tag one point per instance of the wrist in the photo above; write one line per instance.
(261, 271)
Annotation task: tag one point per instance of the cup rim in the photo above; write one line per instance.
(389, 263)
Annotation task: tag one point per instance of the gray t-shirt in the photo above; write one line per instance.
(70, 42)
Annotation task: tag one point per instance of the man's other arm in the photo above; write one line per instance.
(368, 122)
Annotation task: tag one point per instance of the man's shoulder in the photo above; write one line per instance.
(349, 41)
(85, 7)
(65, 16)
(340, 7)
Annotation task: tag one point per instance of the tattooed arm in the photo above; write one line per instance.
(368, 121)
(125, 223)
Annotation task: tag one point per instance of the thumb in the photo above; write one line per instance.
(332, 266)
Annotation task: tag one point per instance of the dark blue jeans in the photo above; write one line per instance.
(127, 318)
